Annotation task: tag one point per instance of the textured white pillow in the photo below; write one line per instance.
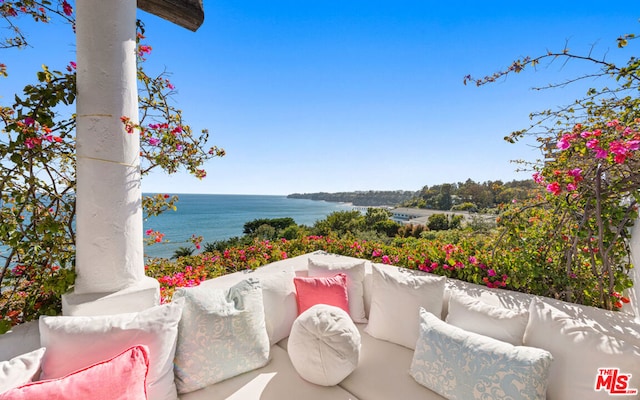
(20, 370)
(279, 297)
(473, 315)
(578, 351)
(397, 295)
(221, 334)
(355, 282)
(464, 365)
(324, 345)
(77, 342)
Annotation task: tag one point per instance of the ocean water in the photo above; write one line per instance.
(219, 217)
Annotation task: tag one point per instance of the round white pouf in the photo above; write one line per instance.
(324, 345)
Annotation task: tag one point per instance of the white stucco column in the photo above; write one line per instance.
(109, 247)
(635, 272)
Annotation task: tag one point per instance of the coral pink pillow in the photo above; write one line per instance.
(121, 378)
(322, 290)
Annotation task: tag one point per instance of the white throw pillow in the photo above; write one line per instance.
(278, 294)
(579, 352)
(464, 365)
(324, 345)
(397, 295)
(77, 342)
(222, 334)
(279, 297)
(472, 314)
(20, 370)
(355, 282)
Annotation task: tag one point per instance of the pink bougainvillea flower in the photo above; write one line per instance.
(66, 8)
(537, 177)
(386, 260)
(148, 232)
(554, 188)
(576, 173)
(593, 143)
(563, 143)
(154, 141)
(571, 187)
(617, 147)
(586, 134)
(144, 49)
(620, 158)
(600, 152)
(491, 272)
(613, 123)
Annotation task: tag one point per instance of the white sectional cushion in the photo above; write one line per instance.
(277, 380)
(464, 365)
(579, 352)
(383, 373)
(20, 369)
(74, 343)
(324, 345)
(222, 334)
(354, 270)
(398, 294)
(474, 315)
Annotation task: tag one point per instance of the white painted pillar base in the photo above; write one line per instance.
(135, 298)
(109, 238)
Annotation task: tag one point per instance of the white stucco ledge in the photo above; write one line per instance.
(145, 294)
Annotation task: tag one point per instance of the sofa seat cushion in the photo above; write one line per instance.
(383, 372)
(276, 381)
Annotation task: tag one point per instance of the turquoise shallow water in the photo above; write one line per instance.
(219, 217)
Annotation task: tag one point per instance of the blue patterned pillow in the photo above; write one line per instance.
(463, 365)
(222, 334)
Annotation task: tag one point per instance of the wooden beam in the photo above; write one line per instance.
(186, 13)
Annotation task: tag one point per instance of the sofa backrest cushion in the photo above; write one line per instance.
(474, 315)
(397, 295)
(580, 354)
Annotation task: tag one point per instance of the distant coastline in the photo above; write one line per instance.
(370, 198)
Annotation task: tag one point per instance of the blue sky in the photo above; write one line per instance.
(309, 96)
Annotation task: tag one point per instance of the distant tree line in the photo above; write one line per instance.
(370, 198)
(462, 196)
(472, 196)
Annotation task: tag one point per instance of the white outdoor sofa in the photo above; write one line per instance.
(587, 346)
